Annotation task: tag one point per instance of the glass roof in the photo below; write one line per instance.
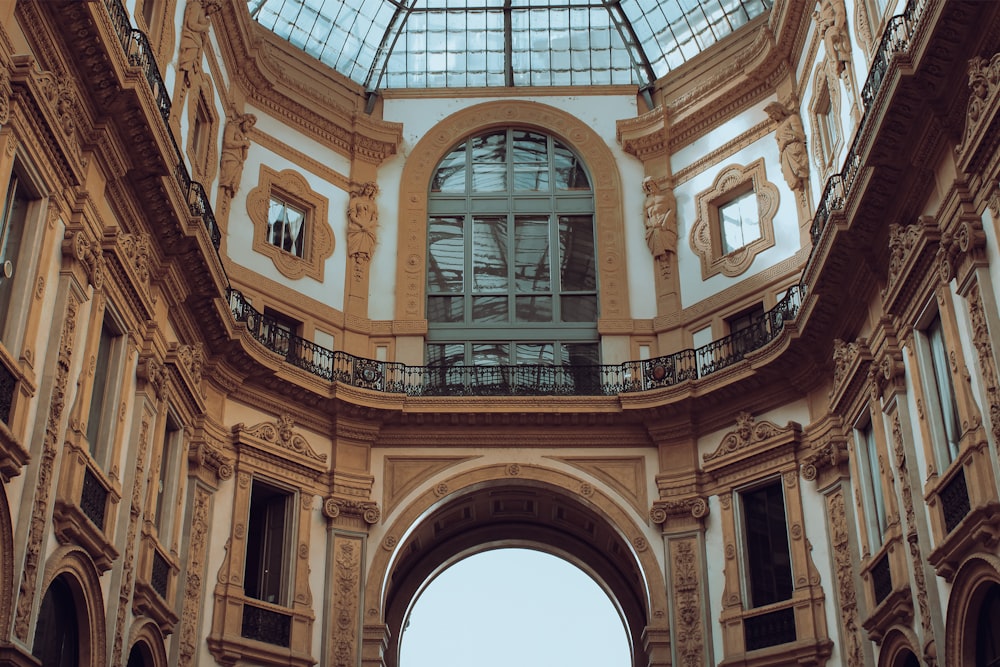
(384, 44)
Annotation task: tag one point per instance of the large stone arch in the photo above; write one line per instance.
(969, 587)
(76, 567)
(549, 510)
(609, 221)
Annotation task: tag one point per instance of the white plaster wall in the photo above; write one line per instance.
(786, 223)
(599, 112)
(240, 230)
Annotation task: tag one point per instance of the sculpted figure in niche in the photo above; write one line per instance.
(196, 25)
(661, 220)
(831, 19)
(362, 218)
(791, 139)
(235, 143)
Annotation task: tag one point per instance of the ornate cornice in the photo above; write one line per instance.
(301, 91)
(748, 432)
(663, 510)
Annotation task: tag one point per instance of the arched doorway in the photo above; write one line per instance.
(57, 632)
(535, 511)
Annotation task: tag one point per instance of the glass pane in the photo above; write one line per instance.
(489, 177)
(534, 353)
(490, 309)
(450, 174)
(445, 255)
(529, 147)
(576, 253)
(534, 308)
(445, 354)
(580, 354)
(531, 255)
(531, 178)
(766, 534)
(446, 309)
(489, 255)
(570, 174)
(740, 222)
(490, 354)
(579, 308)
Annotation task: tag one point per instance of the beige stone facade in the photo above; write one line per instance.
(178, 388)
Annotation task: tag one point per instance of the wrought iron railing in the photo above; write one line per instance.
(137, 49)
(769, 629)
(160, 574)
(8, 385)
(526, 380)
(93, 498)
(954, 499)
(895, 40)
(881, 575)
(266, 625)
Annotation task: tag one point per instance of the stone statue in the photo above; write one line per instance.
(362, 217)
(196, 25)
(235, 144)
(791, 138)
(660, 220)
(831, 19)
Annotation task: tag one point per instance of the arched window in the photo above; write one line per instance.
(57, 642)
(988, 629)
(511, 270)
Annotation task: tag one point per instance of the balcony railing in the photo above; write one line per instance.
(895, 40)
(521, 380)
(137, 49)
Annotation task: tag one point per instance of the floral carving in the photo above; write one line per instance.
(367, 510)
(197, 544)
(43, 483)
(747, 431)
(987, 364)
(664, 509)
(281, 433)
(690, 643)
(984, 76)
(347, 577)
(902, 239)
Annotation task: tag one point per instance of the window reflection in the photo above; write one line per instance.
(509, 239)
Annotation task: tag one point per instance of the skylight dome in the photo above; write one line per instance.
(385, 44)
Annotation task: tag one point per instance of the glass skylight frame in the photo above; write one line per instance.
(393, 44)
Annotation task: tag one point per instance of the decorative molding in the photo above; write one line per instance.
(318, 242)
(706, 232)
(687, 603)
(43, 483)
(280, 433)
(748, 431)
(663, 510)
(726, 150)
(368, 511)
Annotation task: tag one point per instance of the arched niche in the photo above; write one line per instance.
(514, 505)
(411, 267)
(971, 584)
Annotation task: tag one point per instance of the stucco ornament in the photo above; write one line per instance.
(791, 138)
(660, 220)
(235, 145)
(362, 219)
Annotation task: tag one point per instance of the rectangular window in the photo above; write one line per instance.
(767, 561)
(740, 222)
(286, 226)
(941, 400)
(104, 397)
(269, 529)
(871, 485)
(12, 229)
(166, 485)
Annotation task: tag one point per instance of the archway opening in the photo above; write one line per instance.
(514, 606)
